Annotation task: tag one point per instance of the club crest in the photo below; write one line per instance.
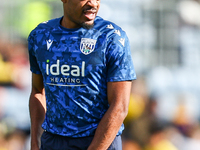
(87, 45)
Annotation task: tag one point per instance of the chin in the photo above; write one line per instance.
(87, 25)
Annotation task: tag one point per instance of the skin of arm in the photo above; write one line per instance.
(118, 99)
(37, 108)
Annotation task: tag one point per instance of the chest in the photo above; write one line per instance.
(66, 54)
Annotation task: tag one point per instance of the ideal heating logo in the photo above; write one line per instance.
(65, 69)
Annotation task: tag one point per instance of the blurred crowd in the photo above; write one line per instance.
(14, 90)
(151, 126)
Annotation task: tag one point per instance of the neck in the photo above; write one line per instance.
(69, 25)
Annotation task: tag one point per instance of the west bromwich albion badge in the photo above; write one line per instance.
(87, 45)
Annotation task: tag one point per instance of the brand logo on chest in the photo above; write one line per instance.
(87, 45)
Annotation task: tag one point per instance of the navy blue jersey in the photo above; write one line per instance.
(76, 65)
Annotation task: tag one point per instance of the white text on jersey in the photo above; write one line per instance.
(66, 70)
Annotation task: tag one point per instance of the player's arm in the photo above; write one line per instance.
(37, 108)
(118, 98)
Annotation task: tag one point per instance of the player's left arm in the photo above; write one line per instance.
(118, 98)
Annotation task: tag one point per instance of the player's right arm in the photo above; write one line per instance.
(37, 108)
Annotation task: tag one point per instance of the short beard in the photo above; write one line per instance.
(87, 26)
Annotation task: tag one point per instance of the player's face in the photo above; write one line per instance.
(80, 13)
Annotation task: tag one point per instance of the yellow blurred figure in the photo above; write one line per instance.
(136, 107)
(35, 13)
(6, 69)
(162, 145)
(159, 141)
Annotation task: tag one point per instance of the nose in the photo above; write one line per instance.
(93, 3)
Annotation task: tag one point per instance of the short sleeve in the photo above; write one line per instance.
(119, 61)
(34, 67)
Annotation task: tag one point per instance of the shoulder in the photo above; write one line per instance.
(45, 26)
(114, 33)
(108, 27)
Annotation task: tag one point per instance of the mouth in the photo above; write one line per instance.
(90, 14)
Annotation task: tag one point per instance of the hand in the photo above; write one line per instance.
(35, 148)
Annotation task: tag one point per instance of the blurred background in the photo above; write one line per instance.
(164, 110)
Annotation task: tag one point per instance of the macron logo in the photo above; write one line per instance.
(49, 43)
(45, 22)
(122, 41)
(110, 26)
(118, 32)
